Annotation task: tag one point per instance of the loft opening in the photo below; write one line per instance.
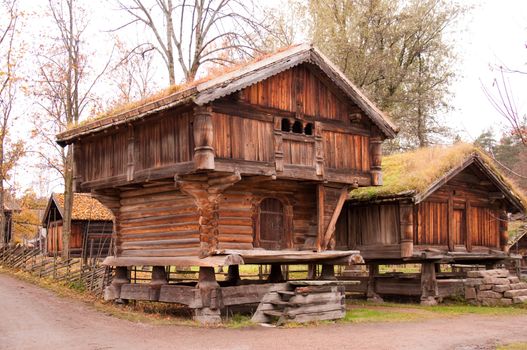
(297, 127)
(286, 125)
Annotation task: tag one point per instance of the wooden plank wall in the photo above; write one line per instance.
(158, 221)
(472, 209)
(432, 223)
(102, 156)
(163, 141)
(346, 151)
(242, 138)
(299, 90)
(360, 225)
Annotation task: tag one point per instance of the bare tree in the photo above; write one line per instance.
(64, 91)
(10, 152)
(133, 75)
(504, 102)
(192, 33)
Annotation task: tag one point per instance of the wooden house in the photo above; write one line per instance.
(91, 226)
(518, 242)
(437, 205)
(10, 207)
(251, 166)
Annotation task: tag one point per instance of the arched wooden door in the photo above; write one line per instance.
(271, 225)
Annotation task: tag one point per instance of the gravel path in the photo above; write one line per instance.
(35, 318)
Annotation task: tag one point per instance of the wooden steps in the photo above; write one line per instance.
(302, 301)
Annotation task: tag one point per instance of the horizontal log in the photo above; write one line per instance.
(291, 312)
(184, 261)
(161, 228)
(184, 295)
(161, 208)
(161, 244)
(139, 291)
(235, 230)
(161, 235)
(233, 221)
(235, 238)
(160, 252)
(320, 316)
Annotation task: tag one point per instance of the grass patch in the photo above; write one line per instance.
(513, 346)
(361, 315)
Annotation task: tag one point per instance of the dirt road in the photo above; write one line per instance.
(34, 318)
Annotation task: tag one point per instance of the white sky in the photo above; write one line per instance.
(494, 32)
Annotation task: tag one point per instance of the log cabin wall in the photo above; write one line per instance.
(54, 238)
(239, 218)
(157, 221)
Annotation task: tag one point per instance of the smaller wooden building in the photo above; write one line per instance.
(91, 226)
(518, 241)
(437, 205)
(10, 207)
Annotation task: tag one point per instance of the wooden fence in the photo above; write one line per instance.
(92, 277)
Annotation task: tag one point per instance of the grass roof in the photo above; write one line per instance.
(410, 173)
(212, 73)
(85, 207)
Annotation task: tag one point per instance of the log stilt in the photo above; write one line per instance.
(276, 275)
(311, 271)
(113, 291)
(233, 275)
(211, 298)
(429, 288)
(371, 293)
(328, 273)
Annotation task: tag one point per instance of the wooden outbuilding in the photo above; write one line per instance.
(438, 205)
(249, 167)
(91, 226)
(10, 207)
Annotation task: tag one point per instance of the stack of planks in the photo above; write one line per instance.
(302, 301)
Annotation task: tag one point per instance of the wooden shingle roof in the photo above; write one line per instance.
(85, 207)
(417, 174)
(207, 90)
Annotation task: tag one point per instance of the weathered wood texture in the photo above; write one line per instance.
(157, 221)
(459, 216)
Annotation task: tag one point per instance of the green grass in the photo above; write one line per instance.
(361, 315)
(513, 346)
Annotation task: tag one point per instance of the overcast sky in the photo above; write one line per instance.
(493, 33)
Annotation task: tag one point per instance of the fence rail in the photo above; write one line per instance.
(92, 277)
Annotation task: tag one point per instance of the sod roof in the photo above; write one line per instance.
(84, 208)
(223, 83)
(415, 173)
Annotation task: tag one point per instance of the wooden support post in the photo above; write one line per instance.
(113, 291)
(376, 160)
(233, 275)
(504, 234)
(159, 278)
(203, 139)
(311, 271)
(371, 293)
(329, 239)
(328, 273)
(321, 195)
(450, 219)
(406, 211)
(130, 154)
(319, 150)
(211, 298)
(278, 145)
(468, 226)
(429, 288)
(276, 275)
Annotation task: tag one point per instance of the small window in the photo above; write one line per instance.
(286, 125)
(297, 127)
(308, 130)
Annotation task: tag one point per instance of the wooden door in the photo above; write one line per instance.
(270, 234)
(459, 227)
